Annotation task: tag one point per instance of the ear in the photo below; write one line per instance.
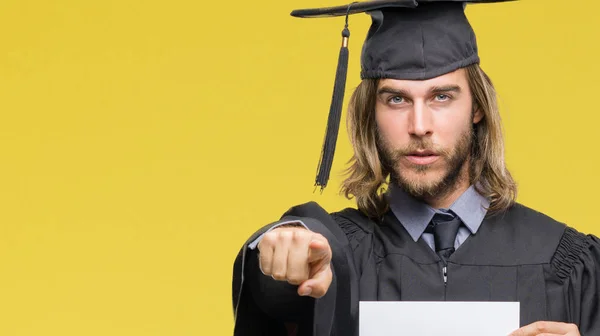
(477, 115)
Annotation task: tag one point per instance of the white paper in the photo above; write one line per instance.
(387, 318)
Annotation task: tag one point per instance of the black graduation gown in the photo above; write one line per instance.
(517, 255)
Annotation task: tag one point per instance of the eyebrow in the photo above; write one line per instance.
(387, 89)
(432, 90)
(444, 89)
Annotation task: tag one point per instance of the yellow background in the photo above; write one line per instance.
(143, 141)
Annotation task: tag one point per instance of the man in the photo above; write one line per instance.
(437, 218)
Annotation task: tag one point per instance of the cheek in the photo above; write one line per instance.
(450, 125)
(452, 130)
(392, 127)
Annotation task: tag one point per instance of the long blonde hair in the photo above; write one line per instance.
(367, 178)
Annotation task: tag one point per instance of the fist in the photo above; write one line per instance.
(299, 256)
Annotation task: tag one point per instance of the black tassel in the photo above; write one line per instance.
(335, 112)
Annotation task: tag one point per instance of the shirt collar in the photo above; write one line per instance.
(414, 215)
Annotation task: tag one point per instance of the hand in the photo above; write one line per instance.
(543, 328)
(298, 256)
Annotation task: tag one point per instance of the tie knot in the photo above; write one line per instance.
(443, 216)
(444, 227)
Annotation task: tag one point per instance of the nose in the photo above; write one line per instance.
(420, 122)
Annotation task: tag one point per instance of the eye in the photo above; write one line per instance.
(442, 97)
(396, 100)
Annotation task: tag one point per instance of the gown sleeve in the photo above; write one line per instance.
(578, 265)
(263, 306)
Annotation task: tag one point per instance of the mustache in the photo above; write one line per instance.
(419, 145)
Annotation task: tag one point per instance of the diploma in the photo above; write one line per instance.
(386, 318)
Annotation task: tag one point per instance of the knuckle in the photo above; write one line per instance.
(541, 326)
(301, 237)
(573, 327)
(279, 276)
(268, 239)
(265, 270)
(285, 235)
(298, 235)
(294, 280)
(297, 278)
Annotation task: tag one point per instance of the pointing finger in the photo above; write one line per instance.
(319, 250)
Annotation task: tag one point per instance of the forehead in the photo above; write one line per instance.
(454, 78)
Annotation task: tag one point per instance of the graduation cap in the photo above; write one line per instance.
(408, 39)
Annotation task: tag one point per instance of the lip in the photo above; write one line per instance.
(423, 152)
(422, 157)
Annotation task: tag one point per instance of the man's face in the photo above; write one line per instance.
(425, 131)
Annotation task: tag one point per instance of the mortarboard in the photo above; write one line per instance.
(408, 39)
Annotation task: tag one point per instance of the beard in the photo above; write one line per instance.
(420, 185)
